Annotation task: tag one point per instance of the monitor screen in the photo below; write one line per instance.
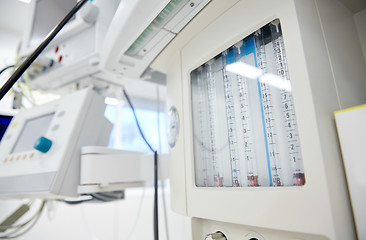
(4, 123)
(32, 130)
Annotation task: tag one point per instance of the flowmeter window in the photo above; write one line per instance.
(244, 124)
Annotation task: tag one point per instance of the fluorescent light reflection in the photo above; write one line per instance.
(113, 101)
(244, 70)
(251, 72)
(276, 81)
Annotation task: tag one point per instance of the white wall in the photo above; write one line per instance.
(13, 16)
(360, 19)
(8, 47)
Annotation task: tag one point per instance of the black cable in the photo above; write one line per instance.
(97, 197)
(75, 202)
(6, 68)
(114, 195)
(156, 212)
(136, 120)
(30, 59)
(107, 197)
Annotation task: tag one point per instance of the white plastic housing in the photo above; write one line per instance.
(76, 49)
(327, 73)
(131, 19)
(77, 120)
(106, 169)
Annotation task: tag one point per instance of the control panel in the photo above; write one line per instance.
(40, 151)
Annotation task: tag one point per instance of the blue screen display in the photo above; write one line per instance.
(4, 123)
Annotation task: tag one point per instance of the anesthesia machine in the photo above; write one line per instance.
(252, 87)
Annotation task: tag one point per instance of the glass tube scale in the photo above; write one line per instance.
(244, 123)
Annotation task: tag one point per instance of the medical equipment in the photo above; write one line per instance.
(260, 145)
(101, 43)
(351, 131)
(254, 85)
(40, 151)
(74, 53)
(140, 30)
(29, 60)
(103, 169)
(4, 124)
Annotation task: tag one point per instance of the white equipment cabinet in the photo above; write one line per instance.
(322, 68)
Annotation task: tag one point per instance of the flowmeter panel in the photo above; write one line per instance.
(244, 122)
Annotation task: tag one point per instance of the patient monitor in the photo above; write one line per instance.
(40, 151)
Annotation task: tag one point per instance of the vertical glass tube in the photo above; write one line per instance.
(204, 128)
(212, 102)
(289, 117)
(248, 146)
(231, 123)
(274, 167)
